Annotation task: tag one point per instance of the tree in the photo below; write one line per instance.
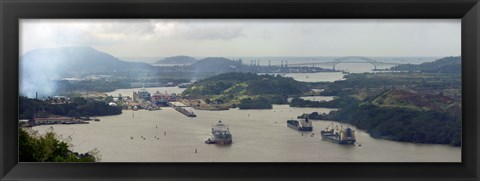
(48, 148)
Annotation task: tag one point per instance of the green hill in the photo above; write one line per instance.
(443, 65)
(215, 64)
(245, 84)
(418, 101)
(232, 88)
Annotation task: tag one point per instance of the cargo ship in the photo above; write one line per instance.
(220, 134)
(302, 125)
(339, 136)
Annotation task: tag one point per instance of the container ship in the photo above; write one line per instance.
(302, 125)
(220, 134)
(339, 136)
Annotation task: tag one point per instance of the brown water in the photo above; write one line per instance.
(258, 136)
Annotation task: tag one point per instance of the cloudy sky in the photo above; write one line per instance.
(231, 38)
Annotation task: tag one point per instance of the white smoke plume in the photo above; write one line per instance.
(38, 72)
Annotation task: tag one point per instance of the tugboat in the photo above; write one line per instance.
(220, 134)
(302, 125)
(342, 136)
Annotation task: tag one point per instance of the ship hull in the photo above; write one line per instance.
(224, 139)
(342, 142)
(223, 142)
(300, 128)
(305, 129)
(335, 139)
(219, 141)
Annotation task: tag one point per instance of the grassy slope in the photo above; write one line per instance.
(416, 101)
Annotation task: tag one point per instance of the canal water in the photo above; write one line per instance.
(258, 136)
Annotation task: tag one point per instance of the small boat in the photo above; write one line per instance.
(209, 141)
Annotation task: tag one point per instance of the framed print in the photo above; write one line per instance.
(82, 76)
(239, 90)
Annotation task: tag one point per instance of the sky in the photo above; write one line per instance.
(254, 37)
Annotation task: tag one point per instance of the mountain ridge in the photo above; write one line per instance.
(215, 64)
(180, 59)
(442, 65)
(78, 59)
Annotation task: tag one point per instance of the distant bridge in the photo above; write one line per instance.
(349, 59)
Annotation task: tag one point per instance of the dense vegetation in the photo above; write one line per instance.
(335, 103)
(421, 105)
(258, 103)
(373, 84)
(77, 107)
(245, 84)
(402, 124)
(248, 90)
(443, 65)
(399, 124)
(47, 148)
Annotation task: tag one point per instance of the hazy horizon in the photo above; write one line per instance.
(247, 38)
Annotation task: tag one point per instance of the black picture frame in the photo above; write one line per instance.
(13, 10)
